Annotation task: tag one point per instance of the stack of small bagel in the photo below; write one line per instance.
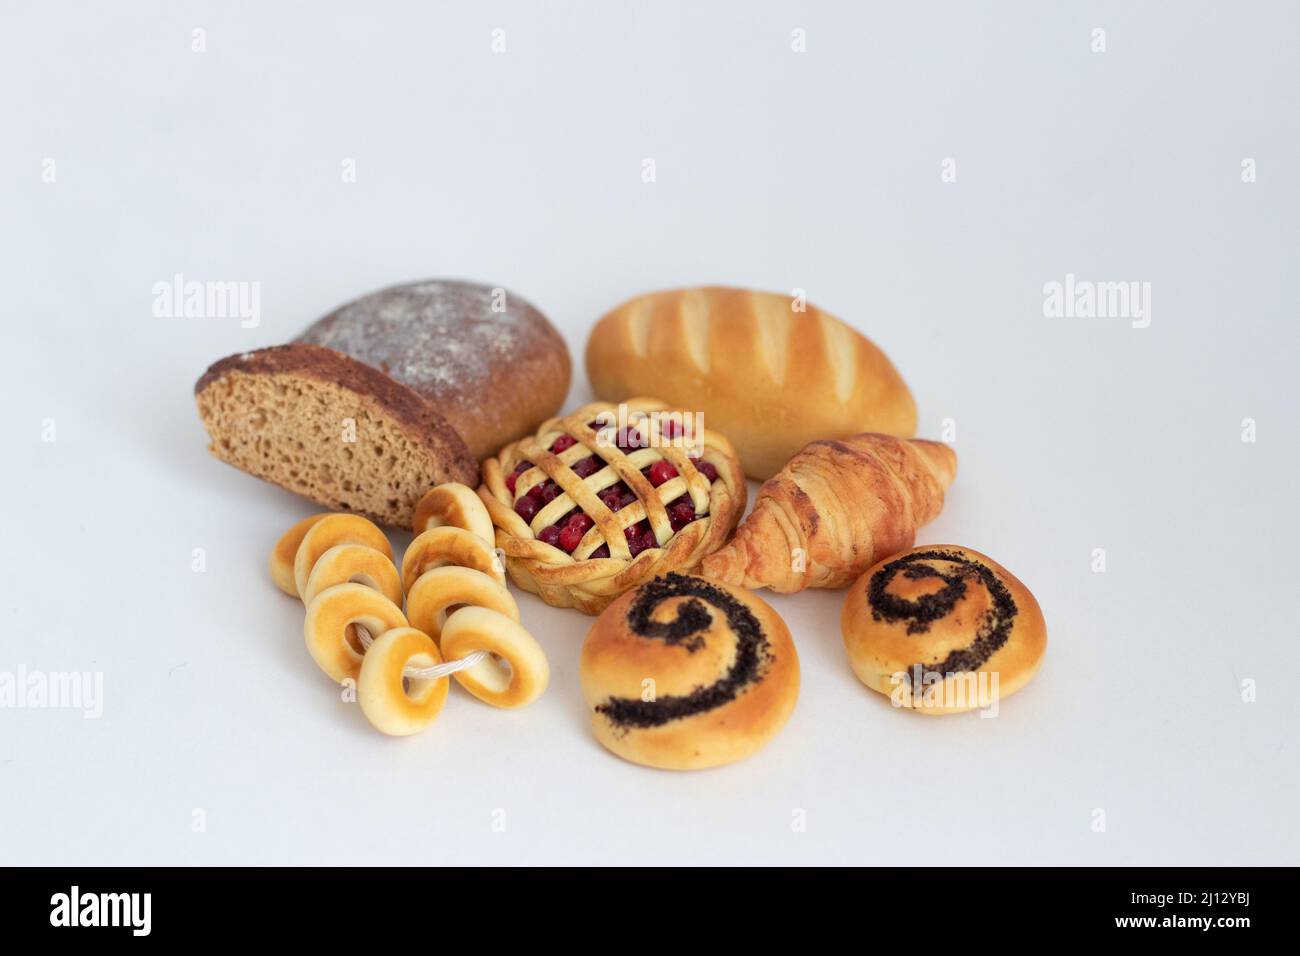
(459, 621)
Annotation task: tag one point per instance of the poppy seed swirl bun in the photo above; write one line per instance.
(683, 674)
(942, 629)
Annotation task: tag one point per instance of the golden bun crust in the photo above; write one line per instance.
(943, 629)
(770, 378)
(685, 673)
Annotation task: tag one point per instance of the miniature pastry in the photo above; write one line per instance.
(332, 625)
(393, 695)
(768, 371)
(943, 629)
(591, 507)
(440, 547)
(341, 565)
(338, 548)
(452, 504)
(354, 562)
(684, 673)
(286, 548)
(835, 509)
(437, 592)
(395, 392)
(456, 593)
(474, 629)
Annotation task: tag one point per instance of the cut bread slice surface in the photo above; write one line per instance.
(332, 429)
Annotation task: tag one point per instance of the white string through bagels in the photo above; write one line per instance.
(459, 620)
(456, 593)
(445, 669)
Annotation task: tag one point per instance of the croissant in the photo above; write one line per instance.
(834, 510)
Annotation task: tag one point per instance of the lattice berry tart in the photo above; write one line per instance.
(596, 503)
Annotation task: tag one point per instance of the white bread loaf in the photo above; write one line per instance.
(769, 377)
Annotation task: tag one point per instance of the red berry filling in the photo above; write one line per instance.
(681, 513)
(584, 467)
(513, 478)
(570, 537)
(640, 538)
(660, 472)
(568, 532)
(617, 496)
(631, 441)
(528, 506)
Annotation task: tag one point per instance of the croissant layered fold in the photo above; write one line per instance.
(835, 509)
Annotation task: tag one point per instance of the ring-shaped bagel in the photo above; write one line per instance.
(331, 616)
(453, 505)
(286, 549)
(354, 562)
(334, 530)
(437, 590)
(396, 704)
(481, 629)
(439, 547)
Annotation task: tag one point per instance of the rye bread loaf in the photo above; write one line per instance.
(488, 362)
(330, 428)
(393, 393)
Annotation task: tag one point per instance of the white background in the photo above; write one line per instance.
(775, 169)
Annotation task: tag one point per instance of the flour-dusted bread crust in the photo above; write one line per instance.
(770, 378)
(285, 415)
(483, 357)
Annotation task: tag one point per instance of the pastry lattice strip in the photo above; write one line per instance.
(610, 527)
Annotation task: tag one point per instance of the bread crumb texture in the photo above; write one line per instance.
(322, 441)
